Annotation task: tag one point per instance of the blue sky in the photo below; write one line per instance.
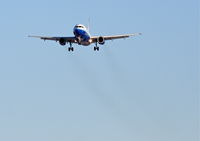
(144, 88)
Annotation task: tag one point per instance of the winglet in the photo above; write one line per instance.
(135, 34)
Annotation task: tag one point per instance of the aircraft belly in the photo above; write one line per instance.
(85, 43)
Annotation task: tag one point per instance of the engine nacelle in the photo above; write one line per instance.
(101, 40)
(62, 41)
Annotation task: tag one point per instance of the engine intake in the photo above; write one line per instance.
(62, 41)
(101, 40)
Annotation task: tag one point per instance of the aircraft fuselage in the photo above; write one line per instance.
(82, 35)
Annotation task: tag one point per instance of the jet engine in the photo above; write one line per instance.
(62, 41)
(101, 40)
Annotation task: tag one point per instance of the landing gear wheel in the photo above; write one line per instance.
(96, 48)
(70, 49)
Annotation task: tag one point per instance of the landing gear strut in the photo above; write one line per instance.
(70, 48)
(96, 48)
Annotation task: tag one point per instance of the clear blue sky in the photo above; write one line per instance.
(140, 89)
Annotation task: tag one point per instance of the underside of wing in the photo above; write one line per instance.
(66, 39)
(95, 38)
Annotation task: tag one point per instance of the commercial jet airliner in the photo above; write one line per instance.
(83, 37)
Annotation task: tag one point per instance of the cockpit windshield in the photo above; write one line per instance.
(79, 26)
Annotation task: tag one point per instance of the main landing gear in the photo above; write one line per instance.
(96, 48)
(70, 48)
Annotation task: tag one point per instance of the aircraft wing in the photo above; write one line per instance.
(67, 39)
(114, 37)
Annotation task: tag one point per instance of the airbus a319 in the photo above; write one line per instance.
(83, 37)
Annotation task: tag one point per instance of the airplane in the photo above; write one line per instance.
(83, 37)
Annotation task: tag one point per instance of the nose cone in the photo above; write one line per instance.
(79, 32)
